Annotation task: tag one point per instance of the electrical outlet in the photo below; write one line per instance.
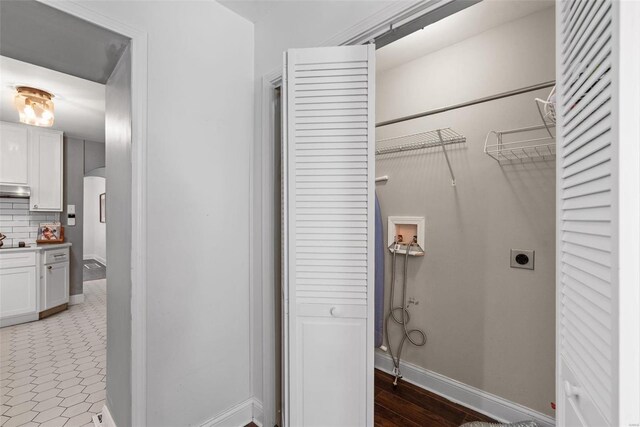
(523, 258)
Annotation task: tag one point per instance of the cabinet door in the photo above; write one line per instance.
(329, 212)
(45, 170)
(14, 154)
(18, 291)
(598, 234)
(56, 285)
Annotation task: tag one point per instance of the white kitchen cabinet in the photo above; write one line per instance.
(14, 154)
(54, 278)
(55, 284)
(18, 288)
(45, 169)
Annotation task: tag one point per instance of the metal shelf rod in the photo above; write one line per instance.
(469, 103)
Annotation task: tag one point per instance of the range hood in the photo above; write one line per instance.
(15, 191)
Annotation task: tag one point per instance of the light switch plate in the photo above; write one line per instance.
(71, 222)
(71, 209)
(523, 258)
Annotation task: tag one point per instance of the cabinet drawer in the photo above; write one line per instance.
(56, 255)
(17, 259)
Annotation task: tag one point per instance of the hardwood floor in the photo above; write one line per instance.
(410, 406)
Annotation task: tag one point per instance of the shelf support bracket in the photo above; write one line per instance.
(446, 156)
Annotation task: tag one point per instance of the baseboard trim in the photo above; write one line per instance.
(486, 403)
(76, 299)
(107, 419)
(258, 413)
(239, 415)
(98, 258)
(16, 320)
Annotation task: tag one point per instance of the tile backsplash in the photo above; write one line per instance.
(19, 224)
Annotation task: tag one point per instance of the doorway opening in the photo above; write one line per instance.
(95, 226)
(467, 73)
(88, 67)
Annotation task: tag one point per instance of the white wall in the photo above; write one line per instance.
(119, 249)
(488, 325)
(200, 104)
(95, 232)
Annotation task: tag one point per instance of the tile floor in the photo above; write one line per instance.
(52, 372)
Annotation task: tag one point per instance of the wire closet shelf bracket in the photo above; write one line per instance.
(419, 141)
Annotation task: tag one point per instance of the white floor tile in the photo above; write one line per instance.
(53, 371)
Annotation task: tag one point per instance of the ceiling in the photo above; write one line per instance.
(79, 103)
(38, 34)
(252, 10)
(455, 28)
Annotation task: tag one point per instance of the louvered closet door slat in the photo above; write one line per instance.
(586, 208)
(330, 145)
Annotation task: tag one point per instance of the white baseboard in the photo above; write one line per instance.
(76, 299)
(489, 404)
(107, 419)
(258, 413)
(238, 416)
(16, 320)
(96, 257)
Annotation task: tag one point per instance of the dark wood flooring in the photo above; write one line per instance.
(411, 406)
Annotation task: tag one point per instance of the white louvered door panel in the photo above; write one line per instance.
(588, 248)
(329, 105)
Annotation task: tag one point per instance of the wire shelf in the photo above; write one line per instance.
(419, 141)
(533, 148)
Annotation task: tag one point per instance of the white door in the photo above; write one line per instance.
(14, 154)
(598, 160)
(56, 284)
(328, 107)
(45, 170)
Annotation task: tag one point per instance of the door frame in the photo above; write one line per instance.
(261, 256)
(138, 306)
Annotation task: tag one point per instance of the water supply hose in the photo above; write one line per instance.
(419, 337)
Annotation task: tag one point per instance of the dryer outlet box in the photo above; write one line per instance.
(522, 258)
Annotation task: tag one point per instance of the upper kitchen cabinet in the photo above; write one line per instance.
(45, 169)
(14, 154)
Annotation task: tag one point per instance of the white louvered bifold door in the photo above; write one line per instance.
(329, 216)
(595, 270)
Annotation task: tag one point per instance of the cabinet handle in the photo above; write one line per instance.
(49, 267)
(333, 311)
(35, 206)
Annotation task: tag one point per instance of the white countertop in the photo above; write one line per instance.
(40, 247)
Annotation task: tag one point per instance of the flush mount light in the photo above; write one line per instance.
(35, 106)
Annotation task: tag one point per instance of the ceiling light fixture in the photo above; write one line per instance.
(35, 106)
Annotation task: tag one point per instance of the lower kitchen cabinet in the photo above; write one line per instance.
(54, 280)
(18, 288)
(55, 285)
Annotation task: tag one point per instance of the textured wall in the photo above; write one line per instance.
(488, 325)
(73, 195)
(195, 144)
(94, 155)
(78, 154)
